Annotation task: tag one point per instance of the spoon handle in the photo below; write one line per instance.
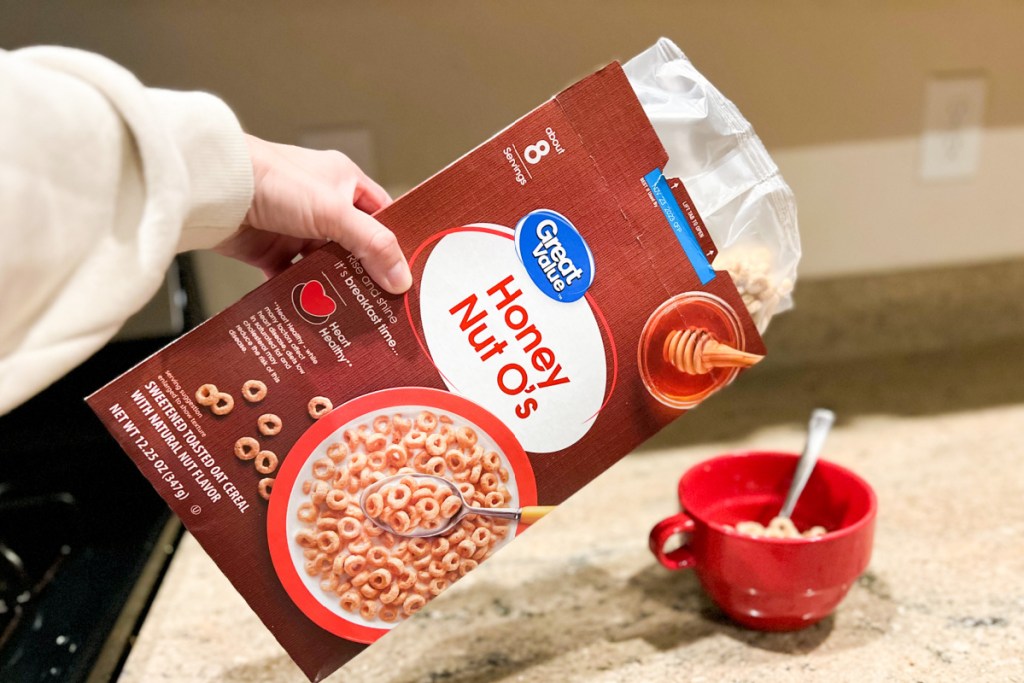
(817, 429)
(501, 513)
(533, 513)
(526, 515)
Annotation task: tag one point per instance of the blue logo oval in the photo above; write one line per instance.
(555, 255)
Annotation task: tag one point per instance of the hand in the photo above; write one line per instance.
(303, 198)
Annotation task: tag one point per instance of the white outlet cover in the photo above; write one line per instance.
(953, 126)
(354, 142)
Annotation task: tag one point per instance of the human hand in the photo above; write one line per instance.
(302, 199)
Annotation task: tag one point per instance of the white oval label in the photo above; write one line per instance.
(536, 363)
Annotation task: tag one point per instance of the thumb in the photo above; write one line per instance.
(377, 247)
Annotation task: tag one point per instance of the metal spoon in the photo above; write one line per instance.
(817, 429)
(526, 515)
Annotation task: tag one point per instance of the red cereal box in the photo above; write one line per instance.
(344, 454)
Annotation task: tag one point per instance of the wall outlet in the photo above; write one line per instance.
(356, 143)
(953, 122)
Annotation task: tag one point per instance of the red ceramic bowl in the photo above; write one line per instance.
(770, 584)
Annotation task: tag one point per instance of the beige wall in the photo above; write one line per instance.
(835, 90)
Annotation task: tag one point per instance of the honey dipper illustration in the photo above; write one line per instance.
(696, 352)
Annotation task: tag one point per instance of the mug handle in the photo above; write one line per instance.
(681, 557)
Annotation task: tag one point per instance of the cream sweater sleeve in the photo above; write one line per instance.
(102, 181)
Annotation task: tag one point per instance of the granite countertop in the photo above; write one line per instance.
(580, 598)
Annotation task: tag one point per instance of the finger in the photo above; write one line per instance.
(312, 246)
(369, 196)
(377, 247)
(270, 252)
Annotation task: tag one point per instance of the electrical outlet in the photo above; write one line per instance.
(953, 123)
(355, 143)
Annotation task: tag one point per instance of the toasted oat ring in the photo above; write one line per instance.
(426, 421)
(266, 462)
(269, 424)
(254, 391)
(246, 448)
(266, 487)
(319, 406)
(435, 444)
(223, 403)
(207, 394)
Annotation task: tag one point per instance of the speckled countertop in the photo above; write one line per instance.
(579, 597)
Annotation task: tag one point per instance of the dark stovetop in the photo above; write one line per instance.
(78, 525)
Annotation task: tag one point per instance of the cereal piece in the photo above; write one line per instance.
(254, 391)
(337, 452)
(266, 462)
(390, 594)
(376, 460)
(328, 541)
(466, 437)
(266, 487)
(337, 499)
(223, 403)
(396, 455)
(413, 604)
(368, 610)
(380, 579)
(330, 584)
(353, 565)
(779, 527)
(426, 421)
(376, 442)
(436, 466)
(350, 528)
(783, 527)
(400, 426)
(488, 482)
(750, 529)
(323, 468)
(319, 406)
(269, 424)
(397, 497)
(450, 506)
(246, 448)
(206, 395)
(351, 601)
(455, 460)
(491, 461)
(435, 444)
(318, 494)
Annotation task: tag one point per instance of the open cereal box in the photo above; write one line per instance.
(345, 455)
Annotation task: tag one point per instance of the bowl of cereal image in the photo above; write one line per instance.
(347, 574)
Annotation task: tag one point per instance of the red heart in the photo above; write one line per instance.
(315, 301)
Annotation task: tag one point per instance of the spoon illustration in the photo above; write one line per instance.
(526, 515)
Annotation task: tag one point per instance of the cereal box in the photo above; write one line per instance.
(331, 446)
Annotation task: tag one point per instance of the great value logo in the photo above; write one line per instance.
(555, 255)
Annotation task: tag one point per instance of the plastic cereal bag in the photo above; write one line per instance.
(742, 198)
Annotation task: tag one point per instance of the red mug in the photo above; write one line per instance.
(770, 584)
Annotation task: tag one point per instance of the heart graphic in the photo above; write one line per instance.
(315, 301)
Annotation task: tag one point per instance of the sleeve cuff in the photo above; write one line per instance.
(219, 165)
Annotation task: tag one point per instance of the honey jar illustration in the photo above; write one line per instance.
(691, 346)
